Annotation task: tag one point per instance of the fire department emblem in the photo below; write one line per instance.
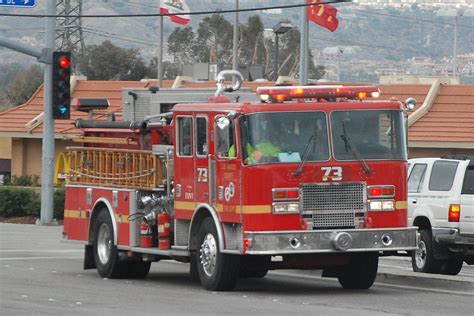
(229, 191)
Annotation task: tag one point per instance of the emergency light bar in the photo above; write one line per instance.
(280, 94)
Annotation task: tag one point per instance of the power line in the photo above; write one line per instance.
(412, 18)
(289, 6)
(116, 36)
(366, 44)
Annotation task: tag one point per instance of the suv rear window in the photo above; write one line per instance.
(468, 186)
(442, 175)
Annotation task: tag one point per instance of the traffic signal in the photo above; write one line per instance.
(61, 85)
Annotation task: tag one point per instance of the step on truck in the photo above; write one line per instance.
(308, 177)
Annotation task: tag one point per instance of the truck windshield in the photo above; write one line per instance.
(284, 137)
(376, 134)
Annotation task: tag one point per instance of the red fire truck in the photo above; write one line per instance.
(310, 177)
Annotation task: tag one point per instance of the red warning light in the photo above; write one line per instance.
(64, 62)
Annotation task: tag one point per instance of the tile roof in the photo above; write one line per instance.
(403, 91)
(14, 119)
(450, 119)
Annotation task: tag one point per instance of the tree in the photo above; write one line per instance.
(170, 70)
(214, 40)
(109, 62)
(24, 85)
(180, 45)
(251, 44)
(289, 52)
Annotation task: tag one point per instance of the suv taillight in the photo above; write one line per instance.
(454, 212)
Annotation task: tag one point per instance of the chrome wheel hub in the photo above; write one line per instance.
(420, 255)
(104, 243)
(208, 254)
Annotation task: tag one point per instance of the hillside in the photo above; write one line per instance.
(380, 34)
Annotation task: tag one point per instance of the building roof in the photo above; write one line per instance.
(450, 119)
(404, 91)
(13, 120)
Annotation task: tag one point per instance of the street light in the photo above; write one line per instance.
(456, 12)
(280, 28)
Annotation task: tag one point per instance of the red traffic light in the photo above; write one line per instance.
(64, 62)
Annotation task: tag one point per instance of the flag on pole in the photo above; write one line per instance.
(322, 14)
(175, 6)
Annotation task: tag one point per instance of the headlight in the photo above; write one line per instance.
(286, 208)
(388, 205)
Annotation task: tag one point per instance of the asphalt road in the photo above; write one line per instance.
(41, 275)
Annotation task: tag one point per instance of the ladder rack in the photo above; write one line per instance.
(139, 169)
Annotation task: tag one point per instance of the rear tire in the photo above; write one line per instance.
(217, 271)
(361, 272)
(452, 267)
(134, 269)
(422, 259)
(105, 251)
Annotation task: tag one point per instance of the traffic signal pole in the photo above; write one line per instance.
(47, 163)
(47, 175)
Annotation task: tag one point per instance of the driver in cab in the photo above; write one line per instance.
(261, 149)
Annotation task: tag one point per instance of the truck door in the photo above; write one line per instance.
(466, 226)
(183, 164)
(201, 170)
(227, 170)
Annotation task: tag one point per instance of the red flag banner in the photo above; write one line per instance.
(322, 14)
(175, 6)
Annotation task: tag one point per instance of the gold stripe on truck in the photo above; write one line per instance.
(401, 205)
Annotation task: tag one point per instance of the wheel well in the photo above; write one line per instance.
(95, 212)
(422, 222)
(198, 218)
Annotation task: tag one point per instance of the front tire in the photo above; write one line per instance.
(452, 267)
(217, 271)
(422, 259)
(361, 272)
(105, 251)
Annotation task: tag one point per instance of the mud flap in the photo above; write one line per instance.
(89, 257)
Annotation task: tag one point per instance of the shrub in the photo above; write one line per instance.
(16, 202)
(24, 181)
(58, 203)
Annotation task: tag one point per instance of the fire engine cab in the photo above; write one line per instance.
(310, 177)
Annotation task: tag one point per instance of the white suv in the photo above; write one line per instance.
(441, 204)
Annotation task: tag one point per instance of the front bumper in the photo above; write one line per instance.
(331, 241)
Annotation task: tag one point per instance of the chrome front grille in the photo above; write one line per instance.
(333, 205)
(332, 220)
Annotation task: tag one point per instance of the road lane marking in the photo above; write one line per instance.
(41, 250)
(37, 258)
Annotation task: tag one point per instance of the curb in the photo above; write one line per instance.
(413, 280)
(426, 280)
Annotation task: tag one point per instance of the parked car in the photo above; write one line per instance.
(441, 204)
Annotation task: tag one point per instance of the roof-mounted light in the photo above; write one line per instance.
(280, 94)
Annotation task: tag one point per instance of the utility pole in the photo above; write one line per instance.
(69, 36)
(304, 46)
(235, 64)
(160, 54)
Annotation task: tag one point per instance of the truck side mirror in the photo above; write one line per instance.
(222, 122)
